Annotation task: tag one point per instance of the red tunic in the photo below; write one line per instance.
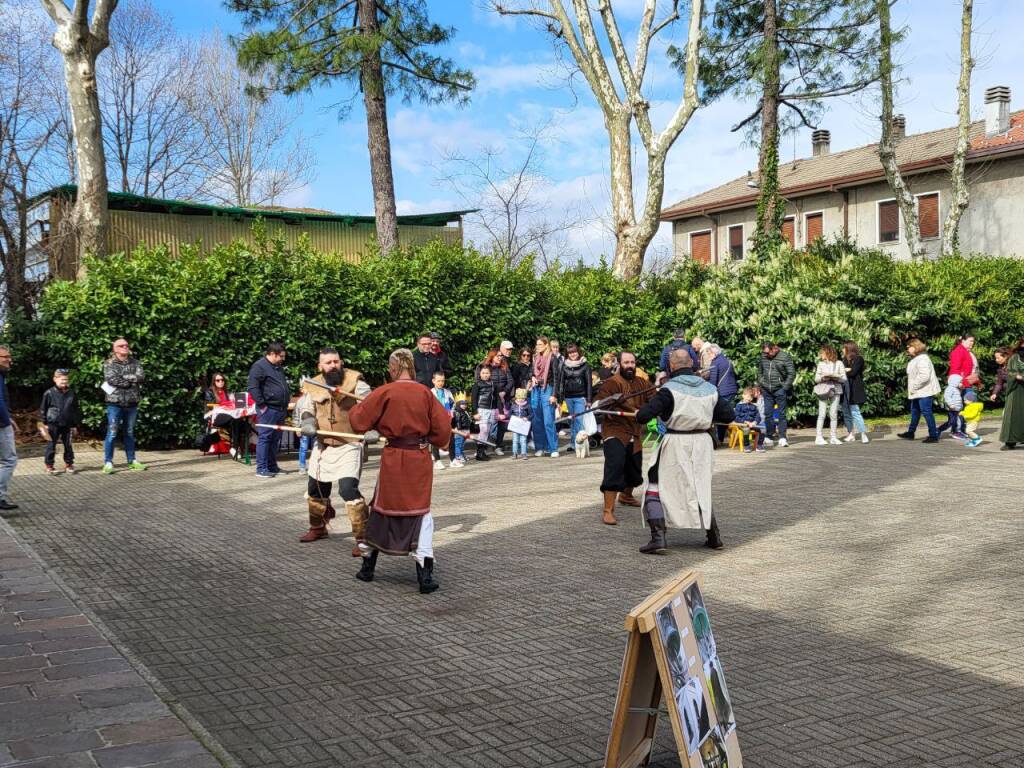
(401, 411)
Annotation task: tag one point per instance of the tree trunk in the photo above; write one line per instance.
(887, 146)
(769, 206)
(371, 75)
(959, 194)
(629, 252)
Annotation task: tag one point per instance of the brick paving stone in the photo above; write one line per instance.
(862, 617)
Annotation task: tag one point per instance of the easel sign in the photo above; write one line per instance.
(671, 649)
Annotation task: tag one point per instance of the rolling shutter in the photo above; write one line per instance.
(700, 247)
(814, 226)
(888, 222)
(928, 215)
(788, 232)
(736, 243)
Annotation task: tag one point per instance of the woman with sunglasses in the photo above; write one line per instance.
(218, 395)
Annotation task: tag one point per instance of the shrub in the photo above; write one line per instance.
(194, 314)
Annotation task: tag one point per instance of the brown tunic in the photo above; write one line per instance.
(625, 428)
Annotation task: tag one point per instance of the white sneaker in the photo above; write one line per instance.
(563, 433)
(498, 452)
(233, 452)
(783, 442)
(442, 454)
(834, 441)
(767, 442)
(554, 454)
(819, 440)
(864, 437)
(539, 453)
(850, 438)
(439, 464)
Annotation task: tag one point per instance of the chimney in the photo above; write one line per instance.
(820, 141)
(997, 110)
(899, 126)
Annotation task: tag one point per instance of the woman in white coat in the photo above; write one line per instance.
(828, 386)
(922, 387)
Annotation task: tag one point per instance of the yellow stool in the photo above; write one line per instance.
(736, 438)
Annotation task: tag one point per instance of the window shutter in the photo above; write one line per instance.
(736, 243)
(788, 233)
(928, 215)
(888, 222)
(700, 247)
(814, 227)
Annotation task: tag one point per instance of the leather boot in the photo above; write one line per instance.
(369, 565)
(358, 514)
(425, 576)
(317, 524)
(481, 454)
(626, 498)
(714, 537)
(657, 545)
(609, 508)
(330, 513)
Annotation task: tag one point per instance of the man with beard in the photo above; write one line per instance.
(679, 479)
(412, 420)
(333, 458)
(622, 438)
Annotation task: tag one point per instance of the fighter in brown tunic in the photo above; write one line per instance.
(412, 420)
(622, 437)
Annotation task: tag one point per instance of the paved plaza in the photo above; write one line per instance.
(867, 608)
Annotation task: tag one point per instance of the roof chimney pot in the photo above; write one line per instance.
(997, 110)
(820, 142)
(899, 126)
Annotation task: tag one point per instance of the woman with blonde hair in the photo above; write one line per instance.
(922, 387)
(829, 377)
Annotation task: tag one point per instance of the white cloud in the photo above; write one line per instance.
(434, 205)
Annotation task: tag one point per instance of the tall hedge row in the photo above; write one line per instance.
(191, 315)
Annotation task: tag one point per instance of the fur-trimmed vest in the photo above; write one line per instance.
(331, 408)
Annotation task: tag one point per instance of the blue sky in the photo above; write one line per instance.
(522, 84)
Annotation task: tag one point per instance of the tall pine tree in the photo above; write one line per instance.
(383, 47)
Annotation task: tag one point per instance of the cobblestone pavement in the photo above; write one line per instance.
(867, 607)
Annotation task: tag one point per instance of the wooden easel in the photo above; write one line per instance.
(647, 674)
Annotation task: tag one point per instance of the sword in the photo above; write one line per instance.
(283, 428)
(337, 390)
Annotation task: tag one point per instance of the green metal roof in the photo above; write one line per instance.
(124, 201)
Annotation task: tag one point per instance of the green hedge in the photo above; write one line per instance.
(191, 315)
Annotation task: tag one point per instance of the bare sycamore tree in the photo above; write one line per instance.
(152, 141)
(251, 159)
(80, 40)
(887, 146)
(623, 103)
(514, 213)
(959, 195)
(28, 122)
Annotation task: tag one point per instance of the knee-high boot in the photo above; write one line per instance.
(714, 537)
(368, 567)
(317, 524)
(609, 508)
(657, 544)
(358, 514)
(425, 576)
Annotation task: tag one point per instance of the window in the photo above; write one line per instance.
(789, 231)
(813, 227)
(700, 246)
(888, 222)
(736, 242)
(928, 215)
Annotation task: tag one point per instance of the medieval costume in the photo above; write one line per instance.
(412, 420)
(1012, 431)
(333, 458)
(622, 442)
(678, 490)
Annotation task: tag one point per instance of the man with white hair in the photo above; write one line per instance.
(8, 428)
(678, 490)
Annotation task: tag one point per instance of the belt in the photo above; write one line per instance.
(407, 443)
(687, 431)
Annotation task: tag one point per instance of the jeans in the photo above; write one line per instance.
(772, 417)
(954, 422)
(459, 441)
(268, 441)
(576, 405)
(118, 418)
(832, 406)
(305, 447)
(922, 406)
(60, 435)
(8, 459)
(853, 419)
(518, 444)
(545, 435)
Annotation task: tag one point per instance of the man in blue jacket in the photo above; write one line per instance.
(269, 389)
(8, 452)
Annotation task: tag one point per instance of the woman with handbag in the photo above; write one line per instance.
(829, 377)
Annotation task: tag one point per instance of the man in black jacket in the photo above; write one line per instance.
(60, 416)
(775, 375)
(429, 358)
(269, 389)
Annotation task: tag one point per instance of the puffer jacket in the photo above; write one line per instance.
(775, 373)
(921, 378)
(124, 376)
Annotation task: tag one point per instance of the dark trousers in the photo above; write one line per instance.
(348, 489)
(268, 441)
(774, 418)
(922, 406)
(623, 467)
(63, 436)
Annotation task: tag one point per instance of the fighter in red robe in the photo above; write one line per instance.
(412, 419)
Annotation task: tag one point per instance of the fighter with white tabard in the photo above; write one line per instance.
(678, 490)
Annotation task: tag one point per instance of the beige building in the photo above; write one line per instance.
(831, 193)
(137, 220)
